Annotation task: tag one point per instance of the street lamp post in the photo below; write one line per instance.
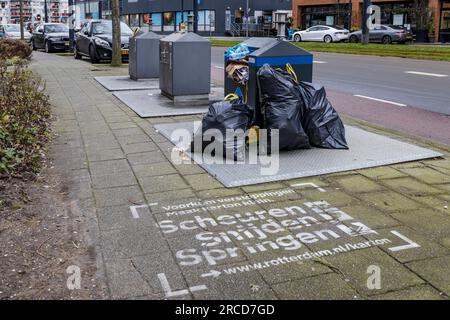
(350, 9)
(71, 24)
(246, 18)
(45, 12)
(365, 27)
(195, 16)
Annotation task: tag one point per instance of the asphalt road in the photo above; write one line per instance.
(418, 83)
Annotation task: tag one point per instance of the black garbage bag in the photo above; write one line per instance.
(320, 120)
(226, 122)
(282, 108)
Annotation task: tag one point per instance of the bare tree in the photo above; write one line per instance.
(116, 43)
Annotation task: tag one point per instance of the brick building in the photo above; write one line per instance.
(307, 13)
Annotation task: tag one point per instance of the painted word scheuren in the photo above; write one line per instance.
(285, 229)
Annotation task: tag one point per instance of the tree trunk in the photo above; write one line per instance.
(116, 43)
(21, 19)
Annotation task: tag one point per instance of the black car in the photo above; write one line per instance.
(50, 36)
(94, 40)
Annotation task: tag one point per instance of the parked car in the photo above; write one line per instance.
(385, 34)
(51, 36)
(94, 40)
(326, 34)
(12, 31)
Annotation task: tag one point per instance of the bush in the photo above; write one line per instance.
(24, 119)
(10, 48)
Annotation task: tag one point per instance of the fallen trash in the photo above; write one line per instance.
(282, 108)
(227, 122)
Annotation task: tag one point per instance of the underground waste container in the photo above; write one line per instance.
(185, 65)
(144, 56)
(276, 53)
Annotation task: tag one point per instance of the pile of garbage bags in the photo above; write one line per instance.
(302, 116)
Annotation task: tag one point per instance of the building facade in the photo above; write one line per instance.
(349, 13)
(217, 17)
(33, 11)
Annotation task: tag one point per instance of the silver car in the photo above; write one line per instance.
(12, 31)
(385, 34)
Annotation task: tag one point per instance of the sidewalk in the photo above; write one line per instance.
(166, 231)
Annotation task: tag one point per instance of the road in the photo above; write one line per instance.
(417, 83)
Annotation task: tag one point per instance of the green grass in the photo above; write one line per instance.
(392, 50)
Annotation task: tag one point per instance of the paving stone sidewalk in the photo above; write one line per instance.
(168, 231)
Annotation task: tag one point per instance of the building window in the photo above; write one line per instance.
(134, 21)
(156, 23)
(169, 22)
(125, 19)
(325, 15)
(445, 22)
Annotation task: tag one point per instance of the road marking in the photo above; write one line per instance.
(427, 74)
(318, 61)
(380, 100)
(411, 244)
(212, 273)
(308, 184)
(134, 209)
(168, 291)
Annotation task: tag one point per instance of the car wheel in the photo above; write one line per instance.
(92, 54)
(386, 40)
(297, 38)
(354, 39)
(76, 54)
(47, 47)
(327, 39)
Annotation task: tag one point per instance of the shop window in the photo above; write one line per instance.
(210, 20)
(125, 19)
(169, 21)
(144, 19)
(134, 21)
(445, 22)
(201, 21)
(156, 22)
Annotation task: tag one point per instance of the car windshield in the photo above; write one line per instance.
(397, 27)
(12, 28)
(106, 28)
(54, 28)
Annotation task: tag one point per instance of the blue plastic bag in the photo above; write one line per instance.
(238, 52)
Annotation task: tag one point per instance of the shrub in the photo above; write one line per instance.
(10, 48)
(24, 119)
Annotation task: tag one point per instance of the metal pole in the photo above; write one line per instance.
(195, 16)
(71, 24)
(182, 11)
(365, 27)
(21, 19)
(350, 9)
(246, 18)
(100, 8)
(45, 12)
